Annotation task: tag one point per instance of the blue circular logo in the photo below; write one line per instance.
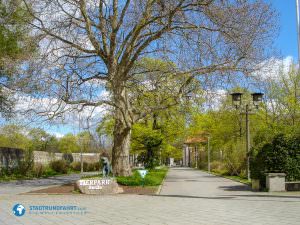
(18, 210)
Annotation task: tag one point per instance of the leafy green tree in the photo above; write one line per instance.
(147, 143)
(154, 89)
(105, 131)
(104, 42)
(86, 142)
(52, 144)
(170, 151)
(283, 97)
(69, 144)
(13, 136)
(39, 138)
(226, 127)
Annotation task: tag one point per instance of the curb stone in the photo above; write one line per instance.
(162, 183)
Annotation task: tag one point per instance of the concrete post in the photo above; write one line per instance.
(275, 181)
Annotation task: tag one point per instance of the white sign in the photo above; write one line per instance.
(94, 184)
(143, 173)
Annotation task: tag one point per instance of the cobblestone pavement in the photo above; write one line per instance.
(187, 197)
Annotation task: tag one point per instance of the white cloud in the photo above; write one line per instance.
(214, 98)
(272, 68)
(51, 111)
(56, 134)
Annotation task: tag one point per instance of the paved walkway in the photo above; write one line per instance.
(22, 186)
(188, 182)
(188, 197)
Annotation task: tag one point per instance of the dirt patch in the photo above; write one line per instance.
(63, 189)
(139, 190)
(69, 189)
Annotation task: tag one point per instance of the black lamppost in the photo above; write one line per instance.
(188, 98)
(247, 109)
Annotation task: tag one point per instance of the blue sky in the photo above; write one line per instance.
(286, 42)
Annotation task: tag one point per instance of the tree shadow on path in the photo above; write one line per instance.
(191, 196)
(259, 198)
(235, 188)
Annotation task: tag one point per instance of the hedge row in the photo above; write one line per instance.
(62, 166)
(281, 155)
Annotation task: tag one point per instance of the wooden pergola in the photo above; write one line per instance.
(192, 147)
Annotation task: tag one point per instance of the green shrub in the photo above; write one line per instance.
(85, 165)
(38, 170)
(218, 168)
(216, 165)
(93, 166)
(202, 165)
(4, 172)
(76, 166)
(59, 166)
(235, 159)
(90, 167)
(68, 157)
(48, 172)
(25, 166)
(281, 155)
(98, 167)
(243, 174)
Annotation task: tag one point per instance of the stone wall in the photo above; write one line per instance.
(10, 157)
(87, 157)
(45, 157)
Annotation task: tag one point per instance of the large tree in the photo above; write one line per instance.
(90, 47)
(283, 96)
(15, 46)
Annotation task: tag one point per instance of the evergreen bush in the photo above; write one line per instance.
(59, 166)
(282, 155)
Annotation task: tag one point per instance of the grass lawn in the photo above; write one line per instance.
(235, 178)
(239, 179)
(153, 178)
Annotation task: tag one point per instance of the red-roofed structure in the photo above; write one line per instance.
(193, 146)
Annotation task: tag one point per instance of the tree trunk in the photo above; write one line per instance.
(120, 151)
(122, 133)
